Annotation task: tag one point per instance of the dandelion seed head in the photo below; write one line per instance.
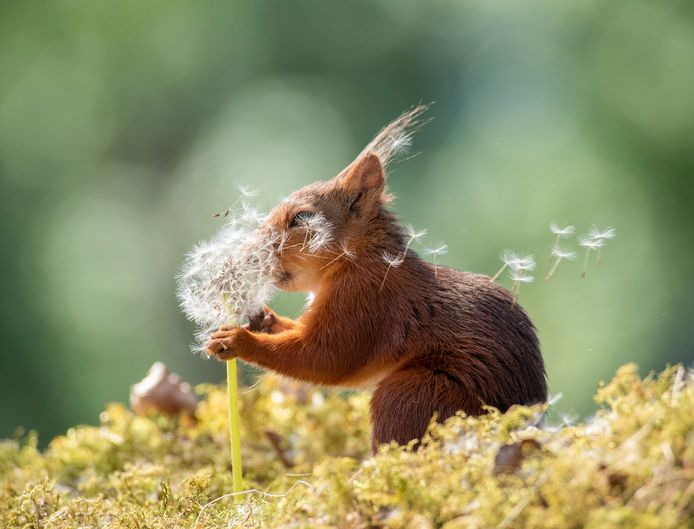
(229, 278)
(560, 231)
(559, 253)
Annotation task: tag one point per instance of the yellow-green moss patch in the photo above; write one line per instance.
(307, 457)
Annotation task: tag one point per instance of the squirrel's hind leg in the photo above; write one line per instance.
(405, 402)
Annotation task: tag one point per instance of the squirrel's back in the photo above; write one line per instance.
(461, 342)
(468, 327)
(497, 337)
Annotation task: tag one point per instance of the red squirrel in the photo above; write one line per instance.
(429, 340)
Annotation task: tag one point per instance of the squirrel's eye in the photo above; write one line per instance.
(301, 218)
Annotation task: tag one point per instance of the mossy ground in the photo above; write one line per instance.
(631, 466)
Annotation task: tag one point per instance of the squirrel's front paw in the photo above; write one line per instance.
(224, 343)
(262, 322)
(265, 322)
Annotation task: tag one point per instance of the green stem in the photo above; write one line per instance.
(234, 418)
(234, 425)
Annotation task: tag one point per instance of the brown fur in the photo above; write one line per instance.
(430, 340)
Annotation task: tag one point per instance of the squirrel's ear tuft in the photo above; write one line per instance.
(366, 173)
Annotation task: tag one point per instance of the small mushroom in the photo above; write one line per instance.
(162, 392)
(510, 456)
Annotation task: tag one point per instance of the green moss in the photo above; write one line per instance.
(630, 466)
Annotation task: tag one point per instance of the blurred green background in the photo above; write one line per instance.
(125, 125)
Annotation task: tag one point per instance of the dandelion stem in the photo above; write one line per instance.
(501, 271)
(598, 256)
(585, 263)
(234, 425)
(234, 417)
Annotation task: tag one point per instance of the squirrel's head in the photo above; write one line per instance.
(325, 223)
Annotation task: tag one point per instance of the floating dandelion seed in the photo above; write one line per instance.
(412, 236)
(393, 261)
(607, 233)
(346, 252)
(248, 191)
(518, 277)
(559, 255)
(436, 252)
(589, 244)
(601, 235)
(515, 263)
(526, 263)
(553, 399)
(507, 257)
(319, 231)
(560, 232)
(568, 419)
(396, 260)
